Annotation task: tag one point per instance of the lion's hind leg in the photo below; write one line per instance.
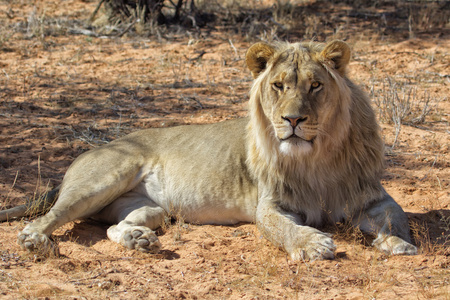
(135, 216)
(72, 204)
(386, 219)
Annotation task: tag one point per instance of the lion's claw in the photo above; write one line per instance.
(37, 243)
(135, 237)
(394, 245)
(314, 245)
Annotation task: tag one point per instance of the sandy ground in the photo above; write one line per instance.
(62, 94)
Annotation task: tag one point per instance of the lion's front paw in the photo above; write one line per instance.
(315, 245)
(142, 239)
(37, 243)
(394, 245)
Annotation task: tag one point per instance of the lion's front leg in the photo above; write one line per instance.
(386, 219)
(284, 230)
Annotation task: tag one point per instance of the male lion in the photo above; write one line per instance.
(309, 153)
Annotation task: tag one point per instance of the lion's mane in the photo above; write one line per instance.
(347, 158)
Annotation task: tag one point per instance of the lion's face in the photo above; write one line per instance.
(299, 97)
(296, 100)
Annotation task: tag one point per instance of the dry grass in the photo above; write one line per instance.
(445, 238)
(284, 19)
(400, 104)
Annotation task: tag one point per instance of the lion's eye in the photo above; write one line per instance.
(315, 85)
(278, 85)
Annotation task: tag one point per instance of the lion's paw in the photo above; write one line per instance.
(37, 243)
(314, 246)
(142, 239)
(394, 245)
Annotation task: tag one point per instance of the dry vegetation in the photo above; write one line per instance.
(68, 84)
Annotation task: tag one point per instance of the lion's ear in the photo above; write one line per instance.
(337, 52)
(257, 57)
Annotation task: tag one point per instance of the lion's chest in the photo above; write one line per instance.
(316, 207)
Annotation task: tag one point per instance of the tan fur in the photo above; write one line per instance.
(309, 153)
(347, 150)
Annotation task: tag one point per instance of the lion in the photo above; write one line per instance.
(308, 154)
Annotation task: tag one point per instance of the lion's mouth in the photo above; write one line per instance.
(296, 146)
(296, 138)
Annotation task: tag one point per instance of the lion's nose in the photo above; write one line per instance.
(295, 120)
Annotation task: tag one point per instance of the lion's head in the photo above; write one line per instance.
(303, 94)
(308, 122)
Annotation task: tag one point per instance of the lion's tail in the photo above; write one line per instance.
(35, 207)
